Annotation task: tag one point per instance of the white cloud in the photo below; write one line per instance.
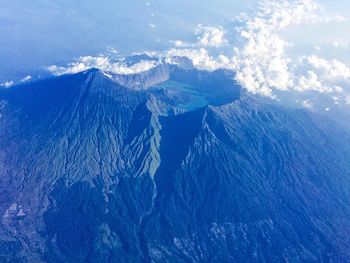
(310, 81)
(336, 100)
(207, 37)
(262, 63)
(330, 69)
(210, 36)
(201, 58)
(340, 44)
(27, 78)
(347, 99)
(324, 76)
(103, 63)
(180, 44)
(7, 84)
(307, 104)
(112, 51)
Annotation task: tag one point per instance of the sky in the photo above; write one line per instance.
(297, 49)
(37, 33)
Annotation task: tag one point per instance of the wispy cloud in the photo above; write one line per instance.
(347, 99)
(27, 78)
(340, 44)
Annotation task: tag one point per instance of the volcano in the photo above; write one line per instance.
(174, 164)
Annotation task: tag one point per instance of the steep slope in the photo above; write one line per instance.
(69, 137)
(252, 183)
(93, 171)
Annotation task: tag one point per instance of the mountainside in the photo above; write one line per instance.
(170, 165)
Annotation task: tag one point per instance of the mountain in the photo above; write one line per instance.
(171, 165)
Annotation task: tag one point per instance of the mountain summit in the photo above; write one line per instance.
(170, 165)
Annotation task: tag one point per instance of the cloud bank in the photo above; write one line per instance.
(262, 63)
(260, 58)
(207, 37)
(104, 63)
